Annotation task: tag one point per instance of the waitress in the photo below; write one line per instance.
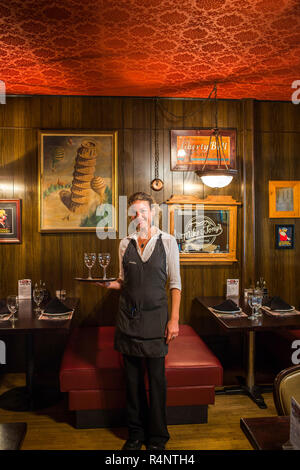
(148, 258)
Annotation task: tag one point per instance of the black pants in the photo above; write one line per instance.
(146, 422)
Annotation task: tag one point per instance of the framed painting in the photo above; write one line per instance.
(77, 174)
(10, 221)
(284, 236)
(284, 199)
(205, 229)
(189, 149)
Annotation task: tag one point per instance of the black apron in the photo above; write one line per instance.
(143, 304)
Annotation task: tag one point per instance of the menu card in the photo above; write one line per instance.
(24, 289)
(233, 288)
(295, 424)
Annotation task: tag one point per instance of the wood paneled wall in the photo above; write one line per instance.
(58, 258)
(267, 148)
(277, 157)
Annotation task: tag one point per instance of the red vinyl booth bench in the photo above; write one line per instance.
(92, 374)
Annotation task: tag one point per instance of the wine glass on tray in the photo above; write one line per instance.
(104, 260)
(89, 261)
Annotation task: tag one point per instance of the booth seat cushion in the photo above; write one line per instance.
(187, 355)
(91, 363)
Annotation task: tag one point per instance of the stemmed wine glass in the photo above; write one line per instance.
(89, 260)
(255, 302)
(38, 295)
(12, 303)
(104, 260)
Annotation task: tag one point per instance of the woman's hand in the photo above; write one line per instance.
(103, 284)
(172, 330)
(110, 284)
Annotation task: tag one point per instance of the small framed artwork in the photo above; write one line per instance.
(10, 221)
(284, 199)
(284, 236)
(189, 149)
(77, 181)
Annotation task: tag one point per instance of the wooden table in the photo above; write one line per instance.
(249, 327)
(12, 435)
(28, 324)
(268, 433)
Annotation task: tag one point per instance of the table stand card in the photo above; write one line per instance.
(233, 289)
(24, 289)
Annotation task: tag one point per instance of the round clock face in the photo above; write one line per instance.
(157, 184)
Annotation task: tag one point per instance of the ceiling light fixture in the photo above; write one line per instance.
(222, 175)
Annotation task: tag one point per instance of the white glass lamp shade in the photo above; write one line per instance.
(216, 181)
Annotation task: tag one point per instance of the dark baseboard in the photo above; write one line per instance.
(117, 418)
(196, 414)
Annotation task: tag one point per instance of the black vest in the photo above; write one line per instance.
(143, 305)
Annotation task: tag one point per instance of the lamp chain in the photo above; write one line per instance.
(156, 143)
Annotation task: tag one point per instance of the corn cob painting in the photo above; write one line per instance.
(78, 173)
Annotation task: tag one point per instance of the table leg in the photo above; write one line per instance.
(248, 388)
(252, 390)
(30, 369)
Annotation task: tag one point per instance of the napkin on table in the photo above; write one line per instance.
(56, 306)
(227, 306)
(276, 303)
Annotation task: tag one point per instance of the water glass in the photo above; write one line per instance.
(104, 260)
(12, 303)
(89, 260)
(38, 295)
(255, 302)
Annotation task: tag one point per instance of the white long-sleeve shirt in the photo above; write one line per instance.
(171, 249)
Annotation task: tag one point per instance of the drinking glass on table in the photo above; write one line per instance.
(104, 260)
(38, 295)
(12, 303)
(89, 260)
(255, 302)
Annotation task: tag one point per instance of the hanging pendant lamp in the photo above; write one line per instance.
(222, 175)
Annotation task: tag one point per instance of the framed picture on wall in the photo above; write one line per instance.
(284, 236)
(205, 229)
(10, 220)
(284, 199)
(189, 149)
(77, 181)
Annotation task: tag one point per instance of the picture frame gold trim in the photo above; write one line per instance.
(222, 203)
(10, 221)
(76, 180)
(289, 191)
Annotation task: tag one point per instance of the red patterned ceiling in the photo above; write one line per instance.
(175, 48)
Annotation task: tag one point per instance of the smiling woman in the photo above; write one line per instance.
(148, 257)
